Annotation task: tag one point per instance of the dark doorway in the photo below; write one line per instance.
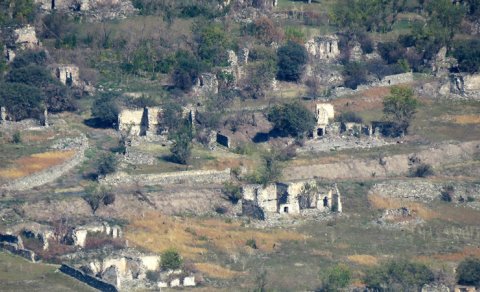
(325, 202)
(285, 209)
(53, 4)
(320, 132)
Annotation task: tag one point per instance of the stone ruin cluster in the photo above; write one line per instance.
(289, 198)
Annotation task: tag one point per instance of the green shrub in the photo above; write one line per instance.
(349, 117)
(292, 119)
(292, 58)
(251, 243)
(106, 164)
(468, 272)
(105, 109)
(171, 260)
(447, 193)
(232, 191)
(399, 275)
(468, 55)
(421, 170)
(336, 278)
(17, 138)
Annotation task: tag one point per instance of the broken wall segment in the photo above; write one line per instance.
(88, 279)
(179, 177)
(324, 113)
(68, 75)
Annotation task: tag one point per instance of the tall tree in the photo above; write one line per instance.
(400, 107)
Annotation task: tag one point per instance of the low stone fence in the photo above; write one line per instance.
(87, 279)
(15, 249)
(50, 174)
(178, 177)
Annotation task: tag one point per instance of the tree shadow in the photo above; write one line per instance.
(97, 123)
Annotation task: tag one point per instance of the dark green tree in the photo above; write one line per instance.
(468, 272)
(171, 260)
(400, 107)
(182, 143)
(22, 101)
(213, 43)
(105, 109)
(399, 275)
(186, 70)
(292, 119)
(468, 55)
(106, 163)
(292, 58)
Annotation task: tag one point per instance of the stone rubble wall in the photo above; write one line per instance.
(87, 279)
(178, 177)
(16, 250)
(51, 174)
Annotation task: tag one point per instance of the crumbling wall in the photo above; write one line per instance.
(130, 121)
(396, 79)
(179, 177)
(26, 38)
(324, 47)
(68, 75)
(88, 279)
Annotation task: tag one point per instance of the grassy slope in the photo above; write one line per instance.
(16, 274)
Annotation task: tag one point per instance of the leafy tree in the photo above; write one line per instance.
(182, 143)
(29, 58)
(468, 55)
(271, 169)
(355, 74)
(107, 163)
(292, 58)
(399, 275)
(170, 260)
(265, 30)
(291, 119)
(186, 71)
(400, 107)
(172, 116)
(22, 101)
(17, 11)
(233, 192)
(259, 78)
(213, 43)
(336, 278)
(96, 195)
(468, 272)
(391, 52)
(105, 109)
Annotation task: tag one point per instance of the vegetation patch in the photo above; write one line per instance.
(216, 271)
(35, 163)
(363, 259)
(158, 233)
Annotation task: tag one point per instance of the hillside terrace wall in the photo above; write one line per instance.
(179, 177)
(51, 174)
(87, 279)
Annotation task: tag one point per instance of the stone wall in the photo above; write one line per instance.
(51, 174)
(87, 279)
(179, 177)
(68, 75)
(16, 250)
(26, 38)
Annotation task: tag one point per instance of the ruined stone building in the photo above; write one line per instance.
(292, 198)
(323, 47)
(68, 75)
(325, 113)
(20, 38)
(76, 5)
(145, 121)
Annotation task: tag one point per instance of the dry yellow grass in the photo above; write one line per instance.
(189, 236)
(467, 119)
(216, 271)
(380, 202)
(363, 259)
(467, 252)
(34, 163)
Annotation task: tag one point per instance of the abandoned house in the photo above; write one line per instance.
(68, 75)
(293, 197)
(145, 122)
(324, 113)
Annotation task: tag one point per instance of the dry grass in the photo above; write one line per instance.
(216, 271)
(363, 259)
(190, 236)
(466, 119)
(379, 202)
(36, 162)
(467, 252)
